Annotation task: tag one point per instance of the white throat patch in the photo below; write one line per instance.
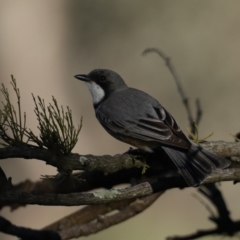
(96, 91)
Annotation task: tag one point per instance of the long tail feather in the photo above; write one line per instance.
(196, 163)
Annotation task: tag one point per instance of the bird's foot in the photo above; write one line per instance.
(139, 152)
(145, 167)
(136, 151)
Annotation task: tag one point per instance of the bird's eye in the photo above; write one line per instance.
(103, 79)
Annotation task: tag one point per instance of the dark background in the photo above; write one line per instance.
(45, 43)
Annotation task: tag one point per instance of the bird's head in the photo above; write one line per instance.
(101, 83)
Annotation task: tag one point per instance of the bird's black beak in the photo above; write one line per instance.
(82, 77)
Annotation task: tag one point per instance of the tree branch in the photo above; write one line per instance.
(224, 224)
(184, 97)
(107, 196)
(103, 222)
(26, 233)
(104, 163)
(76, 199)
(79, 223)
(73, 161)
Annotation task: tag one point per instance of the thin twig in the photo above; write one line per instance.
(198, 111)
(26, 233)
(176, 78)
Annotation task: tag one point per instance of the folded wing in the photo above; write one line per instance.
(159, 127)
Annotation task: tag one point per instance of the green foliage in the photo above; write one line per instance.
(12, 126)
(57, 132)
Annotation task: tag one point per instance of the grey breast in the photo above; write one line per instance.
(127, 104)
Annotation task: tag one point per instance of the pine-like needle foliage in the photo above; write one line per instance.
(57, 132)
(12, 123)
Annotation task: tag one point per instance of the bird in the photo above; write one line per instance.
(136, 118)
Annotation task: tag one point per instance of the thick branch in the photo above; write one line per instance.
(76, 199)
(105, 163)
(87, 214)
(107, 196)
(79, 223)
(222, 148)
(73, 161)
(104, 221)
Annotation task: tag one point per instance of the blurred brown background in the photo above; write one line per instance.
(45, 43)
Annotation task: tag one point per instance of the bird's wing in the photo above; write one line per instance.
(162, 129)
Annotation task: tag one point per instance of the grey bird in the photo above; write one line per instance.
(134, 117)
